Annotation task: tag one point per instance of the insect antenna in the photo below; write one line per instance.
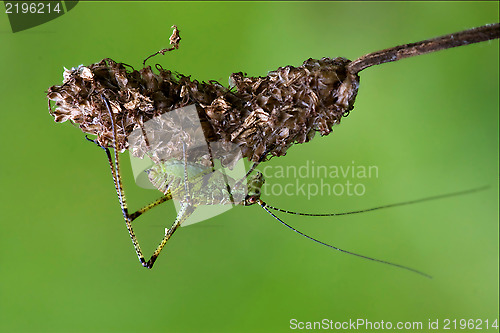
(263, 205)
(404, 203)
(267, 208)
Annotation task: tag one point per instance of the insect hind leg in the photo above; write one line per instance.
(186, 209)
(184, 212)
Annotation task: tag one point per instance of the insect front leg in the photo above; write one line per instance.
(144, 209)
(185, 211)
(115, 171)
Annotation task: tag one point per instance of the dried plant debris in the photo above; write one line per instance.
(264, 116)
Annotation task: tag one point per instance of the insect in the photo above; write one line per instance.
(262, 117)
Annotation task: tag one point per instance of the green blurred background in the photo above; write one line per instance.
(430, 125)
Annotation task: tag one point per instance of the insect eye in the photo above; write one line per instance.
(250, 200)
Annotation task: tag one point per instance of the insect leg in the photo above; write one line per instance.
(144, 209)
(184, 212)
(186, 183)
(252, 168)
(182, 216)
(115, 170)
(240, 182)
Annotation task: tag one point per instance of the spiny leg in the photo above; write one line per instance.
(240, 182)
(186, 184)
(252, 168)
(144, 209)
(184, 212)
(226, 180)
(115, 169)
(110, 161)
(182, 216)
